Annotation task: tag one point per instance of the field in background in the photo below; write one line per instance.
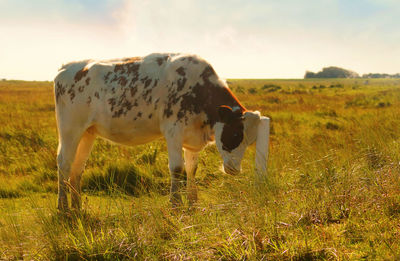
(332, 191)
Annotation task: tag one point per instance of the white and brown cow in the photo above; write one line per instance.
(136, 100)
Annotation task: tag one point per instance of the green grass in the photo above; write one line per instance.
(332, 192)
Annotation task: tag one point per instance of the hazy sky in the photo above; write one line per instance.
(241, 38)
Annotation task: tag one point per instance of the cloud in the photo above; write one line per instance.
(67, 11)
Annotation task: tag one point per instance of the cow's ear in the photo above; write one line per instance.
(226, 114)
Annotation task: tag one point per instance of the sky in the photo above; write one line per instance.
(240, 38)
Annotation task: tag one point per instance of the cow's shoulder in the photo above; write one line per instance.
(187, 61)
(193, 69)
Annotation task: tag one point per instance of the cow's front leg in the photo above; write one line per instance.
(191, 167)
(175, 163)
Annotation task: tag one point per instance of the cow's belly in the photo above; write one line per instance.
(128, 133)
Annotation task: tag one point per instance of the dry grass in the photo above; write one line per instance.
(332, 192)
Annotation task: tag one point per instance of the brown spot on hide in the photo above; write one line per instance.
(81, 88)
(96, 94)
(147, 96)
(59, 90)
(232, 134)
(150, 115)
(118, 113)
(133, 68)
(147, 81)
(112, 102)
(128, 65)
(87, 80)
(205, 97)
(180, 84)
(181, 71)
(107, 76)
(121, 106)
(172, 100)
(89, 100)
(133, 91)
(71, 93)
(126, 73)
(160, 60)
(156, 103)
(122, 81)
(180, 115)
(193, 60)
(80, 74)
(119, 68)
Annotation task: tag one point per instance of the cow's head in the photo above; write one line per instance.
(235, 131)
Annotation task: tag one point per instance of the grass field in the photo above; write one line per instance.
(332, 191)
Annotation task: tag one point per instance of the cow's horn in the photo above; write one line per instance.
(262, 144)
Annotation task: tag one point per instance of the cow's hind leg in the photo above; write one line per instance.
(67, 147)
(175, 163)
(82, 154)
(191, 167)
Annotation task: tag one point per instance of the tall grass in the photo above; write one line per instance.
(332, 191)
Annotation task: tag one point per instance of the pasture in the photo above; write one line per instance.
(332, 190)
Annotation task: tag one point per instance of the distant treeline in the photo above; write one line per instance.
(381, 75)
(337, 72)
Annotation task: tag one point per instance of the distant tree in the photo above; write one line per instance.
(309, 75)
(332, 72)
(381, 75)
(337, 72)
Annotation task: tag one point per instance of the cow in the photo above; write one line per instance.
(133, 101)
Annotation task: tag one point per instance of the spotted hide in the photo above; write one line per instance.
(136, 100)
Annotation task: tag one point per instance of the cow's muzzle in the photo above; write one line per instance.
(230, 170)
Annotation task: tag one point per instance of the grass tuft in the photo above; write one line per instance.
(125, 178)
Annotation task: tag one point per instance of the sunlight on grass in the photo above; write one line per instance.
(332, 190)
